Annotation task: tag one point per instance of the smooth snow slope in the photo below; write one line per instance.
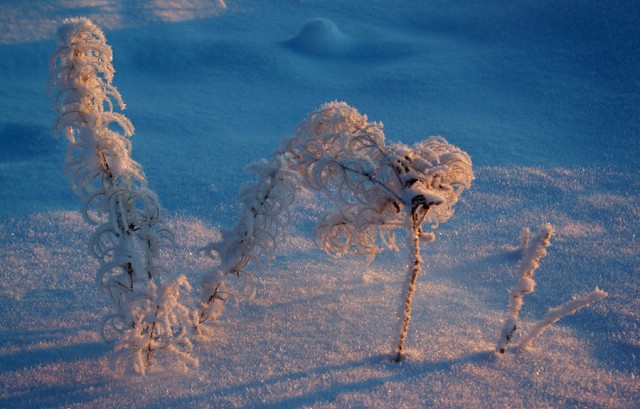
(543, 95)
(512, 83)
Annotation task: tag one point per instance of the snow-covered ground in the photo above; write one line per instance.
(543, 95)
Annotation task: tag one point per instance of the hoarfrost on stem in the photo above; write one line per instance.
(555, 314)
(375, 185)
(377, 189)
(130, 230)
(534, 249)
(254, 237)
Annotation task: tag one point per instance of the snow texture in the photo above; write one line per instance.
(321, 37)
(543, 96)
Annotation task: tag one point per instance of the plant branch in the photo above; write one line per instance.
(414, 269)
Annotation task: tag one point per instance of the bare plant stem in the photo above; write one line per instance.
(415, 271)
(204, 314)
(151, 335)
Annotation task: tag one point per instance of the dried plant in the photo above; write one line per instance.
(254, 237)
(555, 314)
(131, 232)
(533, 250)
(377, 189)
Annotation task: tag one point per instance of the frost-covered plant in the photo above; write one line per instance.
(131, 233)
(377, 187)
(555, 314)
(533, 250)
(254, 236)
(162, 330)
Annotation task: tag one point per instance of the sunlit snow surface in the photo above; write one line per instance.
(543, 95)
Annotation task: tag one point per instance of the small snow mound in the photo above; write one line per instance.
(321, 37)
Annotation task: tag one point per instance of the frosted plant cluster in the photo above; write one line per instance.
(377, 188)
(130, 233)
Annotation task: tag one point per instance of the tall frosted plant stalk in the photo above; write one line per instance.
(131, 234)
(415, 264)
(378, 187)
